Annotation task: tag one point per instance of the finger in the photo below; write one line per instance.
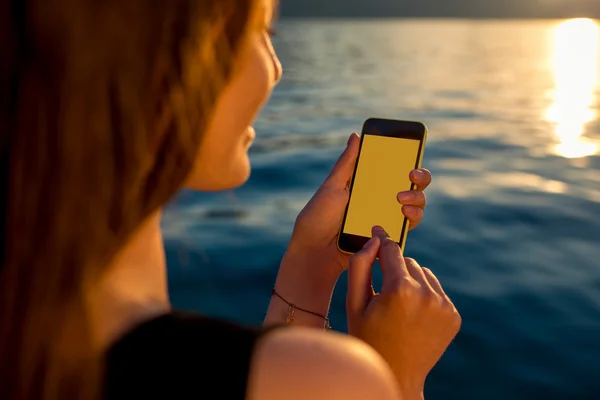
(414, 216)
(434, 282)
(415, 198)
(416, 272)
(360, 288)
(344, 167)
(391, 260)
(421, 178)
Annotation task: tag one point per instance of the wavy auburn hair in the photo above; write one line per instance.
(102, 107)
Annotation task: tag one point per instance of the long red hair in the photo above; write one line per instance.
(103, 105)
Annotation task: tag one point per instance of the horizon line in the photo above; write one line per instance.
(523, 18)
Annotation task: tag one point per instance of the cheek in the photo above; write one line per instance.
(260, 79)
(222, 161)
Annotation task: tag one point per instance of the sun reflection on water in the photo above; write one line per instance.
(576, 68)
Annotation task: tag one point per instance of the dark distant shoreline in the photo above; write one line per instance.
(436, 9)
(422, 17)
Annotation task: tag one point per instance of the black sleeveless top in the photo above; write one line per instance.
(181, 356)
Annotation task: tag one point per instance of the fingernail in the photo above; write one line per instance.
(405, 197)
(379, 231)
(417, 174)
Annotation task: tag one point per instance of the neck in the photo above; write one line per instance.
(134, 289)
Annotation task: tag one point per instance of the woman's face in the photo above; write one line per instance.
(222, 161)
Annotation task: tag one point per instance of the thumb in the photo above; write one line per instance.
(344, 167)
(360, 288)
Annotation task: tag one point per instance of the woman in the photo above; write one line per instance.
(109, 108)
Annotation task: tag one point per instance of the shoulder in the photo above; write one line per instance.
(302, 363)
(180, 355)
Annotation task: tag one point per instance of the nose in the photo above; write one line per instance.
(277, 67)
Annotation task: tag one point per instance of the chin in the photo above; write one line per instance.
(221, 179)
(237, 179)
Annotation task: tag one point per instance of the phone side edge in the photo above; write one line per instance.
(419, 165)
(340, 233)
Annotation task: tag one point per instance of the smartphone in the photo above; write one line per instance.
(389, 150)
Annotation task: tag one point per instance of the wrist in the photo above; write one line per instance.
(306, 283)
(413, 395)
(317, 267)
(412, 391)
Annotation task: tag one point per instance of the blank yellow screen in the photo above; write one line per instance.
(382, 172)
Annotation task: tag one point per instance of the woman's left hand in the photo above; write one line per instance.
(313, 263)
(318, 224)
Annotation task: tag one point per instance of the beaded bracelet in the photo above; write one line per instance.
(292, 312)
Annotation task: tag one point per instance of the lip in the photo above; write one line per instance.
(251, 133)
(250, 136)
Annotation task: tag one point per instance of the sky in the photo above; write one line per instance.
(442, 8)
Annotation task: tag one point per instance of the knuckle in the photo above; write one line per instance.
(390, 247)
(397, 285)
(411, 262)
(432, 300)
(429, 273)
(355, 259)
(408, 282)
(456, 320)
(406, 287)
(301, 219)
(448, 307)
(358, 258)
(388, 242)
(452, 314)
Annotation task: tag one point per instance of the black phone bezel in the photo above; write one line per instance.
(390, 128)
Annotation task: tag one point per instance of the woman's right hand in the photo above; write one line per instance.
(410, 322)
